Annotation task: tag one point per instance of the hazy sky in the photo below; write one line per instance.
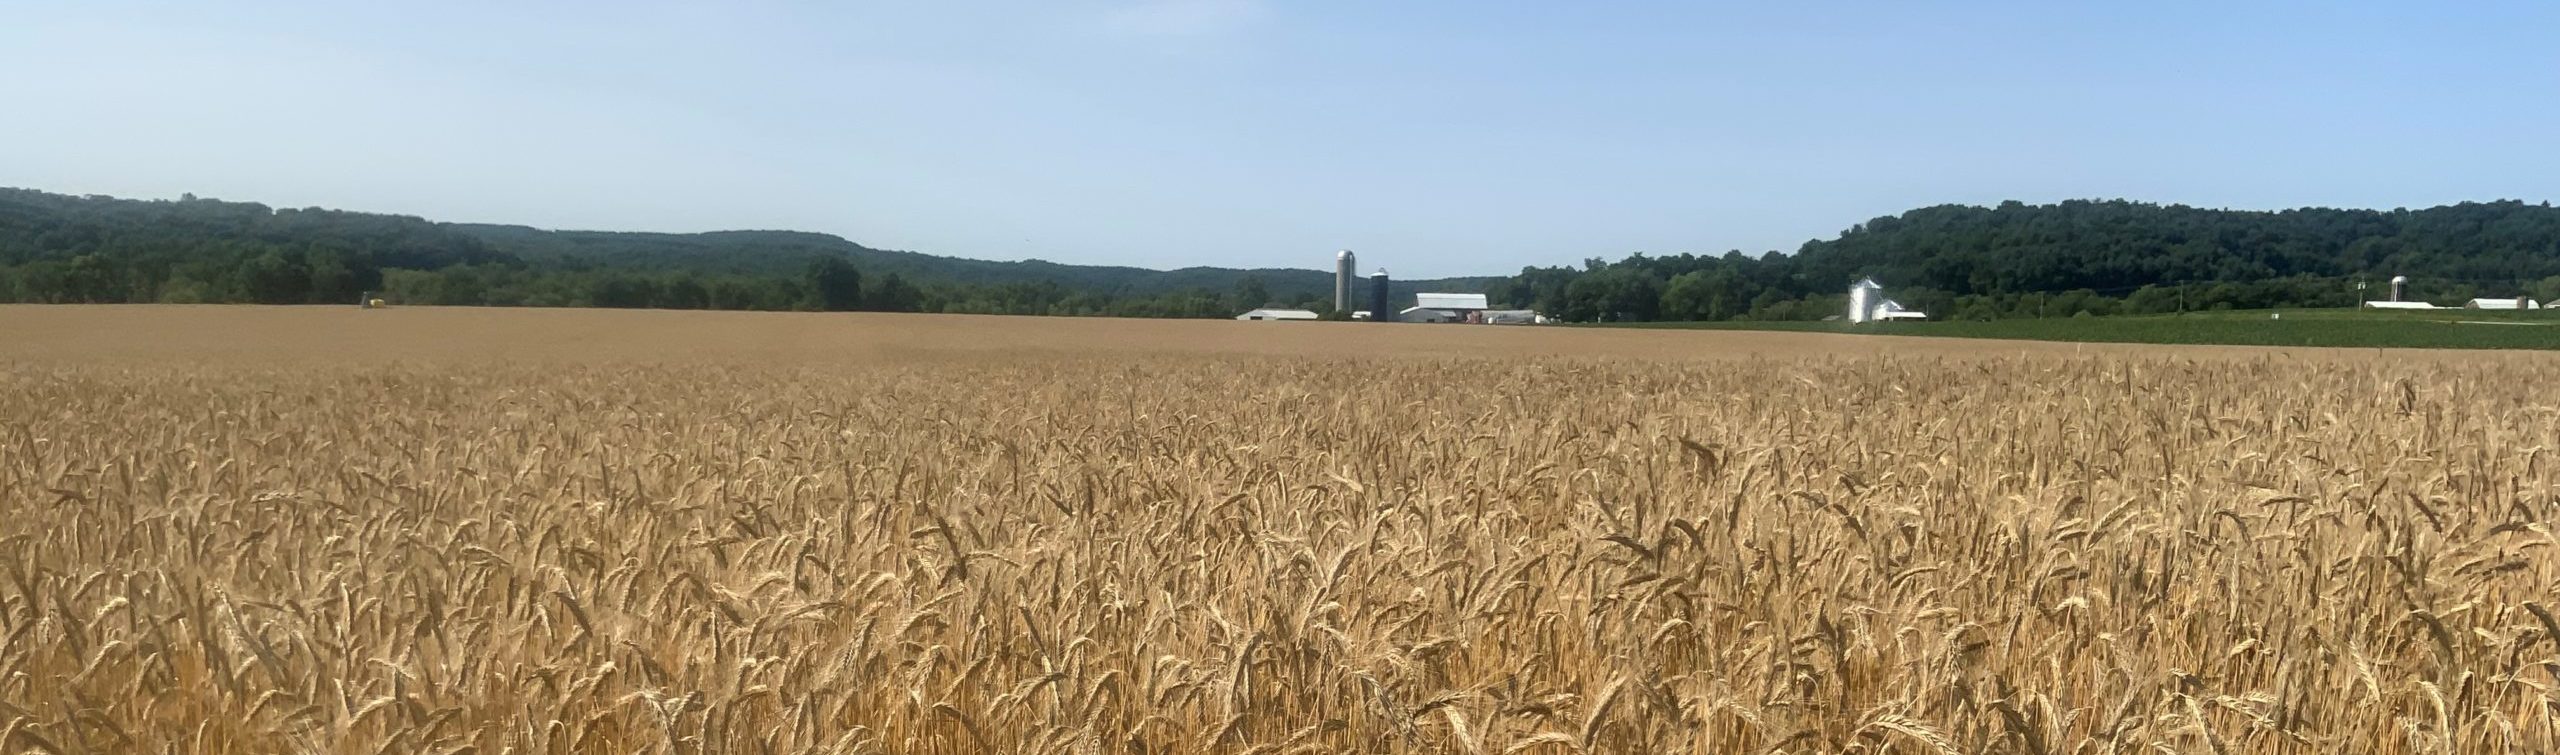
(1434, 136)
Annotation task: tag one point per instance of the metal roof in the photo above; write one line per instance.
(1450, 301)
(1278, 314)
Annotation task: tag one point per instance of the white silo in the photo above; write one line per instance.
(1343, 263)
(1863, 296)
(2396, 282)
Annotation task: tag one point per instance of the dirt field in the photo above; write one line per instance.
(234, 529)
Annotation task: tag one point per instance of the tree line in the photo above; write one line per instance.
(2080, 257)
(1954, 261)
(65, 249)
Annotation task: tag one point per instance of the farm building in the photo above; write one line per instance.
(1427, 314)
(1868, 304)
(1510, 317)
(2399, 305)
(2515, 303)
(1459, 304)
(1278, 314)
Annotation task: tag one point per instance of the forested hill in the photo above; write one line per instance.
(61, 248)
(2100, 257)
(763, 252)
(2014, 260)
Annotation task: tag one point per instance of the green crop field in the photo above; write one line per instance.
(2438, 329)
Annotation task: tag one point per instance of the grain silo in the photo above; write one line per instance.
(1378, 309)
(1862, 299)
(1344, 262)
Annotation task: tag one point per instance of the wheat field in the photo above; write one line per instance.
(309, 530)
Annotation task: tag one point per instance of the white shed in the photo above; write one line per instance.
(1278, 314)
(2515, 303)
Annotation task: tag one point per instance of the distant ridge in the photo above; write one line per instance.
(786, 251)
(2098, 257)
(147, 242)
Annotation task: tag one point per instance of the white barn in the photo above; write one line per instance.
(1459, 303)
(1278, 314)
(2515, 303)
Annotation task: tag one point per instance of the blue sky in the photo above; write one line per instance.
(1435, 137)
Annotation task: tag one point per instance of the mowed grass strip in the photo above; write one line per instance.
(2453, 329)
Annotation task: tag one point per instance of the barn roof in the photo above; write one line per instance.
(1450, 301)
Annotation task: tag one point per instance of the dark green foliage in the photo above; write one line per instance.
(788, 252)
(58, 248)
(2029, 261)
(1955, 262)
(836, 284)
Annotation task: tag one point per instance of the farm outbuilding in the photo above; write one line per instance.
(1868, 304)
(1279, 314)
(2515, 303)
(1458, 303)
(1426, 314)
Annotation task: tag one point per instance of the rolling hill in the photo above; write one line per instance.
(771, 252)
(59, 247)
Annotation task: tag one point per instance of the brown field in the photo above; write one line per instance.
(319, 530)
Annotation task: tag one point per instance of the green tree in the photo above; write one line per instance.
(686, 291)
(1250, 294)
(273, 278)
(332, 280)
(834, 284)
(1623, 293)
(2547, 291)
(896, 295)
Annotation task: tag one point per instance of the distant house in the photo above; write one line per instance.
(2515, 303)
(1458, 303)
(1278, 314)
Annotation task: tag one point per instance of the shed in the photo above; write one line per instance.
(2399, 305)
(1510, 317)
(2515, 303)
(1278, 314)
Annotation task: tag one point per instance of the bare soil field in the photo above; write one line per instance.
(300, 530)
